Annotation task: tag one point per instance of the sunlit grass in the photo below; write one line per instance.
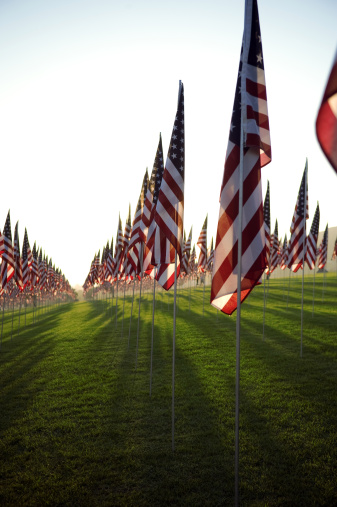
(78, 426)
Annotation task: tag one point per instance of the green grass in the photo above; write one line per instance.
(78, 427)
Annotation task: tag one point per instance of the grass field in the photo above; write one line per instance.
(79, 428)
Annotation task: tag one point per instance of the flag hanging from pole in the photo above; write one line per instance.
(266, 217)
(202, 243)
(251, 96)
(326, 122)
(275, 246)
(170, 206)
(311, 248)
(298, 225)
(323, 249)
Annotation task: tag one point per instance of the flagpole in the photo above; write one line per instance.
(313, 292)
(123, 309)
(304, 247)
(153, 309)
(140, 297)
(133, 296)
(264, 303)
(174, 344)
(116, 299)
(238, 314)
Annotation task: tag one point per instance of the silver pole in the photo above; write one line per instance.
(153, 309)
(174, 344)
(140, 297)
(304, 245)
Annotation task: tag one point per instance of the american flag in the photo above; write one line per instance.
(284, 254)
(118, 248)
(159, 251)
(126, 240)
(210, 257)
(311, 248)
(35, 268)
(202, 243)
(274, 256)
(251, 103)
(326, 122)
(137, 233)
(334, 253)
(323, 250)
(7, 266)
(17, 259)
(298, 226)
(27, 260)
(192, 260)
(186, 253)
(266, 217)
(170, 206)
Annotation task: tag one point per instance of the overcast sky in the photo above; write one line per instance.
(87, 86)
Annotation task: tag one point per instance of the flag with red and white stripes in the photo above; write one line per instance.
(202, 243)
(186, 253)
(326, 122)
(118, 248)
(323, 249)
(298, 226)
(137, 232)
(311, 247)
(334, 253)
(284, 254)
(275, 245)
(249, 112)
(210, 257)
(266, 217)
(170, 206)
(17, 259)
(7, 265)
(27, 260)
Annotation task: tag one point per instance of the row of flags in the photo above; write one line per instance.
(300, 246)
(28, 271)
(154, 244)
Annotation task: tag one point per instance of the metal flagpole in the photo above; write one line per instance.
(304, 247)
(2, 323)
(238, 314)
(133, 295)
(313, 293)
(264, 303)
(140, 297)
(174, 344)
(116, 297)
(153, 309)
(123, 309)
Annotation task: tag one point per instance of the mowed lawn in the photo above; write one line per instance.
(78, 426)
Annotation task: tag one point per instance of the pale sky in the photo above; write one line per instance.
(87, 86)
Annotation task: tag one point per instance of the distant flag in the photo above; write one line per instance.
(266, 217)
(118, 248)
(210, 257)
(27, 260)
(323, 250)
(186, 253)
(126, 240)
(284, 254)
(35, 268)
(192, 260)
(326, 122)
(334, 253)
(17, 259)
(251, 103)
(311, 248)
(170, 206)
(7, 265)
(298, 226)
(274, 256)
(137, 234)
(202, 243)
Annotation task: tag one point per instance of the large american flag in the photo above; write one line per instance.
(170, 206)
(326, 122)
(298, 226)
(323, 249)
(266, 217)
(251, 96)
(202, 243)
(311, 248)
